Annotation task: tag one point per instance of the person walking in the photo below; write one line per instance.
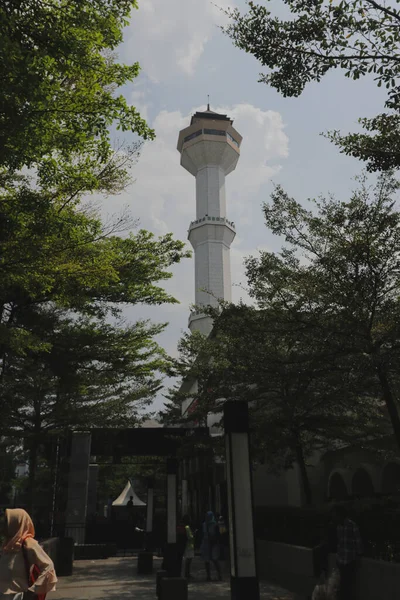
(348, 550)
(210, 550)
(224, 538)
(26, 571)
(130, 509)
(188, 554)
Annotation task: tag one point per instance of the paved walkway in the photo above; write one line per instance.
(116, 579)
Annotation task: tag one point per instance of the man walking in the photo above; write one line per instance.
(349, 549)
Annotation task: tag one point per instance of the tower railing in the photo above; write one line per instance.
(207, 218)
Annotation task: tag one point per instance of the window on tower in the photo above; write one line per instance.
(210, 132)
(192, 135)
(214, 132)
(228, 135)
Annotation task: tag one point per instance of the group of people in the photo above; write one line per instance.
(213, 534)
(341, 537)
(26, 571)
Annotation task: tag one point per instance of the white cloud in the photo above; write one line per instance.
(169, 37)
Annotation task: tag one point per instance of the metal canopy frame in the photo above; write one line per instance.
(149, 441)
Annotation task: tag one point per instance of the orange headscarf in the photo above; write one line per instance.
(19, 528)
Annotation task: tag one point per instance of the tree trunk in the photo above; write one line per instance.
(390, 401)
(303, 473)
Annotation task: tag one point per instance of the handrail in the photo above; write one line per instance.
(219, 220)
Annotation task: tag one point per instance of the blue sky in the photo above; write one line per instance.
(184, 56)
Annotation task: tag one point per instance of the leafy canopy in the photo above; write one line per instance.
(59, 77)
(303, 396)
(339, 275)
(59, 253)
(360, 37)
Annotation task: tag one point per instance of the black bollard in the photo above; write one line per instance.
(145, 563)
(160, 575)
(175, 588)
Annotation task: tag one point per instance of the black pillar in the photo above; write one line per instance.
(244, 579)
(78, 482)
(149, 514)
(150, 506)
(172, 562)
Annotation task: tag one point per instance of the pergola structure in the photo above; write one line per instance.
(166, 442)
(163, 442)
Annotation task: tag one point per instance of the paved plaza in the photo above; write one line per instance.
(116, 579)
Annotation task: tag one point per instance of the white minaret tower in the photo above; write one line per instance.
(209, 150)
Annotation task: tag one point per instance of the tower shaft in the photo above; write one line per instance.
(210, 192)
(209, 151)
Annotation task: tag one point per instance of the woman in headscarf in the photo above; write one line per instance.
(210, 550)
(21, 557)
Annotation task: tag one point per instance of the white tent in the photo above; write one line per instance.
(124, 497)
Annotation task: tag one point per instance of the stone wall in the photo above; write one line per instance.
(292, 567)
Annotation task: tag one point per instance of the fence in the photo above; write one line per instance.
(379, 527)
(292, 567)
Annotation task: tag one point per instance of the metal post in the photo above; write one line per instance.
(78, 482)
(172, 499)
(244, 579)
(145, 558)
(150, 506)
(92, 489)
(54, 501)
(185, 503)
(184, 497)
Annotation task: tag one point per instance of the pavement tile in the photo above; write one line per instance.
(116, 578)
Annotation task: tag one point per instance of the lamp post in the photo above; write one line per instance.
(244, 579)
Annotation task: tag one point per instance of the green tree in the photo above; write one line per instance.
(339, 275)
(59, 78)
(302, 400)
(65, 274)
(361, 37)
(57, 252)
(88, 373)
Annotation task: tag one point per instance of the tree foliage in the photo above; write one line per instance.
(53, 251)
(360, 37)
(58, 80)
(317, 358)
(64, 276)
(87, 373)
(302, 398)
(339, 276)
(67, 358)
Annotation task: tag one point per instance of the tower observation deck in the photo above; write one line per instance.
(210, 150)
